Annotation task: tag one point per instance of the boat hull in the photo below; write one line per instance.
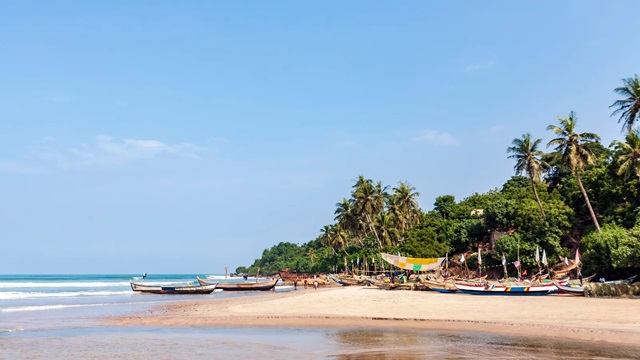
(441, 287)
(485, 289)
(571, 289)
(258, 286)
(173, 290)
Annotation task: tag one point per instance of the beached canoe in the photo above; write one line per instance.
(569, 288)
(348, 281)
(442, 287)
(244, 286)
(177, 290)
(491, 289)
(284, 288)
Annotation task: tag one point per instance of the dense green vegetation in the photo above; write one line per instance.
(581, 195)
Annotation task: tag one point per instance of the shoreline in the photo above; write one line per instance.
(614, 321)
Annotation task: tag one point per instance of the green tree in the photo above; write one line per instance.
(369, 202)
(404, 199)
(629, 107)
(614, 248)
(529, 161)
(629, 154)
(574, 150)
(347, 218)
(445, 205)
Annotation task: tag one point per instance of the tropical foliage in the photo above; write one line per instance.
(581, 195)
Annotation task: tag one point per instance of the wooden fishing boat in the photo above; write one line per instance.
(348, 281)
(440, 286)
(627, 281)
(287, 275)
(243, 286)
(492, 289)
(182, 290)
(284, 288)
(569, 288)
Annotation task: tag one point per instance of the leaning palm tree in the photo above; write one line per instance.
(629, 158)
(574, 150)
(629, 107)
(529, 160)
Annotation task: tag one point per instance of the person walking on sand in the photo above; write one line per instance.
(315, 284)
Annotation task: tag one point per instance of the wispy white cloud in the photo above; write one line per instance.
(479, 66)
(435, 137)
(105, 150)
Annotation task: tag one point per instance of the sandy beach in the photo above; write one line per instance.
(615, 321)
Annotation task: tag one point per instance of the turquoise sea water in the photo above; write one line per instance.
(58, 317)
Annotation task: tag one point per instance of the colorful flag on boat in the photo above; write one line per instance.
(544, 257)
(577, 260)
(537, 254)
(516, 263)
(566, 260)
(479, 258)
(462, 258)
(504, 260)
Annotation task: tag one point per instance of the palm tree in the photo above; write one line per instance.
(334, 237)
(629, 107)
(388, 233)
(629, 158)
(369, 201)
(574, 150)
(346, 217)
(529, 160)
(404, 199)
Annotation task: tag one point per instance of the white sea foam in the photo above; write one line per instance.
(58, 306)
(61, 284)
(11, 295)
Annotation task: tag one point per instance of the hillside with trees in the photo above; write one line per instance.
(581, 194)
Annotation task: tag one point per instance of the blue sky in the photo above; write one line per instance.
(175, 138)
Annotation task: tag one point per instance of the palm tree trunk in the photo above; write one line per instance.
(586, 197)
(535, 191)
(373, 228)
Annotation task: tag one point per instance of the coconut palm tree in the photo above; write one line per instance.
(369, 201)
(334, 238)
(404, 199)
(629, 158)
(629, 107)
(574, 150)
(347, 218)
(529, 160)
(389, 234)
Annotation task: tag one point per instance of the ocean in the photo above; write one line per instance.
(59, 317)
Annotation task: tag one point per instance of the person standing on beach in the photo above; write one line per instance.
(315, 284)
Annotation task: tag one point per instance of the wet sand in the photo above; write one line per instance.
(615, 321)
